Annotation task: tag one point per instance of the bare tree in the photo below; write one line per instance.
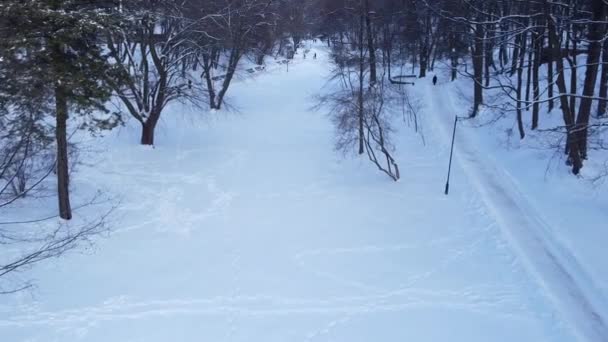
(362, 114)
(234, 29)
(151, 51)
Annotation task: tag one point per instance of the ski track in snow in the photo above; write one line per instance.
(566, 282)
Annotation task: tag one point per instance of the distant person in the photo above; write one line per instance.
(435, 80)
(315, 57)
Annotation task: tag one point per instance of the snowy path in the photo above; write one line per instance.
(570, 288)
(251, 228)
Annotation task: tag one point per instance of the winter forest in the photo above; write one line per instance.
(313, 170)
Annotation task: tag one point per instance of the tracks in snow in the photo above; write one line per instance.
(231, 307)
(551, 265)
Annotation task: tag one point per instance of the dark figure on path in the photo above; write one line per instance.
(435, 80)
(315, 57)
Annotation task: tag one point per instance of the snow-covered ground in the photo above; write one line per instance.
(249, 227)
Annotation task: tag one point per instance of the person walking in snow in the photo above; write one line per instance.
(435, 80)
(315, 57)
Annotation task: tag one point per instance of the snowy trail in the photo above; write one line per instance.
(570, 288)
(250, 227)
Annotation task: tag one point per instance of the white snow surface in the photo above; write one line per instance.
(248, 226)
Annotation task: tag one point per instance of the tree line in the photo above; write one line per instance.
(536, 55)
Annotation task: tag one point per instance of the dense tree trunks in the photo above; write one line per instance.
(594, 36)
(602, 104)
(63, 175)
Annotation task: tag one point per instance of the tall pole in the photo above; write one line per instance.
(447, 183)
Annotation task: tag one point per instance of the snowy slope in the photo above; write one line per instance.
(249, 227)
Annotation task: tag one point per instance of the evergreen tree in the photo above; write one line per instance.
(51, 58)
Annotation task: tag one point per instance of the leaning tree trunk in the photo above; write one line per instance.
(63, 175)
(235, 56)
(594, 36)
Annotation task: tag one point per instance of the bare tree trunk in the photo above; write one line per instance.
(568, 117)
(503, 55)
(594, 36)
(360, 98)
(538, 45)
(423, 60)
(550, 82)
(529, 74)
(601, 107)
(488, 58)
(147, 132)
(63, 175)
(515, 55)
(478, 55)
(520, 71)
(370, 46)
(453, 57)
(235, 56)
(573, 73)
(434, 53)
(454, 62)
(209, 79)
